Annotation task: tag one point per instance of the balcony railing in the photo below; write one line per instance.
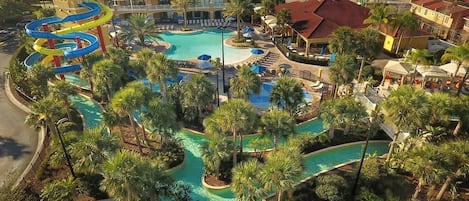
(167, 7)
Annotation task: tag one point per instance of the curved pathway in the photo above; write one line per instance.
(18, 141)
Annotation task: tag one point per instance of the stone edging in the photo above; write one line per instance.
(40, 139)
(213, 187)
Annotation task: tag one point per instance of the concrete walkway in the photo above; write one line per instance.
(18, 142)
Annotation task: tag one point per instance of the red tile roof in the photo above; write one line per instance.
(319, 18)
(436, 5)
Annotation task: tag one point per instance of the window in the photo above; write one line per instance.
(446, 20)
(425, 13)
(420, 9)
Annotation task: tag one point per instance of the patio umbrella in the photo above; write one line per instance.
(204, 57)
(247, 35)
(258, 68)
(179, 17)
(257, 51)
(179, 78)
(248, 30)
(203, 64)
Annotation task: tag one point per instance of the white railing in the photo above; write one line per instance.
(170, 7)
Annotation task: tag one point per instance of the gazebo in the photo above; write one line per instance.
(450, 68)
(432, 74)
(395, 70)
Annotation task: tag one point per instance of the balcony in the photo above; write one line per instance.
(167, 7)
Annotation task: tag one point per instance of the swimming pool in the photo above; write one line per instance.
(191, 45)
(261, 100)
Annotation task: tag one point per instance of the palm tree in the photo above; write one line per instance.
(405, 23)
(247, 184)
(277, 123)
(92, 150)
(124, 103)
(282, 170)
(419, 56)
(214, 152)
(61, 91)
(342, 41)
(233, 117)
(283, 19)
(112, 119)
(438, 109)
(459, 54)
(159, 69)
(44, 112)
(198, 93)
(161, 119)
(39, 75)
(65, 189)
(404, 108)
(106, 74)
(460, 110)
(341, 111)
(342, 71)
(353, 111)
(237, 8)
(379, 14)
(456, 163)
(141, 95)
(140, 27)
(184, 6)
(245, 82)
(369, 46)
(144, 56)
(86, 71)
(287, 94)
(119, 57)
(121, 176)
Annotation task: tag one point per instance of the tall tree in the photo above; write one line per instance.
(379, 14)
(341, 111)
(277, 123)
(460, 110)
(369, 46)
(245, 82)
(233, 117)
(159, 69)
(140, 27)
(39, 75)
(44, 112)
(405, 23)
(343, 71)
(283, 19)
(456, 163)
(343, 41)
(161, 119)
(458, 54)
(247, 184)
(184, 6)
(198, 93)
(141, 95)
(419, 56)
(86, 71)
(214, 152)
(287, 94)
(238, 9)
(403, 108)
(106, 75)
(61, 91)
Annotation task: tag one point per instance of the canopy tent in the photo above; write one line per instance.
(450, 68)
(431, 72)
(397, 67)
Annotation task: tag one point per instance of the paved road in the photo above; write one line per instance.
(17, 141)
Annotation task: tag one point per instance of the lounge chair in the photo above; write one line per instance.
(315, 84)
(319, 87)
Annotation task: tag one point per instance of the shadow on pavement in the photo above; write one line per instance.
(9, 147)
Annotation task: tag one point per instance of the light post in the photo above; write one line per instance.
(357, 178)
(222, 28)
(60, 121)
(113, 25)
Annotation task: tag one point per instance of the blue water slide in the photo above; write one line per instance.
(36, 57)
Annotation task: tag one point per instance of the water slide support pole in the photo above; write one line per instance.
(100, 36)
(52, 46)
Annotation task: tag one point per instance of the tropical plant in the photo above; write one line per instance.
(460, 110)
(44, 112)
(142, 95)
(184, 6)
(119, 57)
(233, 117)
(144, 55)
(86, 71)
(245, 82)
(405, 23)
(247, 184)
(369, 46)
(61, 91)
(140, 27)
(332, 187)
(160, 119)
(282, 169)
(198, 94)
(277, 123)
(159, 69)
(403, 108)
(112, 119)
(237, 8)
(260, 145)
(93, 149)
(456, 163)
(343, 71)
(38, 76)
(65, 189)
(458, 54)
(419, 56)
(287, 94)
(283, 19)
(379, 14)
(214, 152)
(341, 111)
(342, 41)
(106, 75)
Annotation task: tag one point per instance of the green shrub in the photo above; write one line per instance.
(332, 187)
(367, 195)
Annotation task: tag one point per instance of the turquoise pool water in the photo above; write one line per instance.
(75, 79)
(261, 100)
(90, 110)
(192, 45)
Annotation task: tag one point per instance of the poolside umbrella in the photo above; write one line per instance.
(179, 17)
(257, 51)
(204, 64)
(179, 78)
(248, 30)
(258, 68)
(204, 57)
(248, 35)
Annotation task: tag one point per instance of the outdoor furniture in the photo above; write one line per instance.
(317, 88)
(315, 84)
